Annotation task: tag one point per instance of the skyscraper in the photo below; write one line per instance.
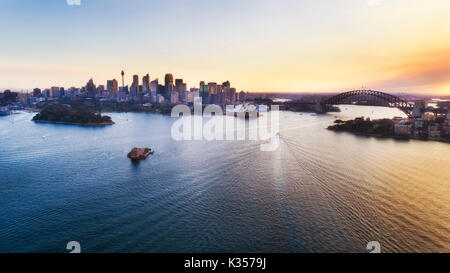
(231, 96)
(204, 92)
(36, 92)
(179, 89)
(112, 86)
(91, 89)
(154, 90)
(134, 89)
(154, 85)
(146, 84)
(123, 80)
(242, 96)
(168, 86)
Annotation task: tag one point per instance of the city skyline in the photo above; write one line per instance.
(260, 46)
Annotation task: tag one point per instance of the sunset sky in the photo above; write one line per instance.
(259, 45)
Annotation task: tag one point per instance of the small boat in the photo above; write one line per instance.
(44, 137)
(140, 153)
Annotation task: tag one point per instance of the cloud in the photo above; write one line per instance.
(374, 2)
(428, 70)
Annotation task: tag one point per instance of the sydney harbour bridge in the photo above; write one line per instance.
(374, 98)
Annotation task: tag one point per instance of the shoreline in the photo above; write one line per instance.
(391, 137)
(103, 124)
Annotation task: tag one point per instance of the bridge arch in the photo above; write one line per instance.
(371, 98)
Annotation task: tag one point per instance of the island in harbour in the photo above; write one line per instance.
(68, 114)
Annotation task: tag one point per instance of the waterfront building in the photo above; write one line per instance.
(403, 128)
(418, 123)
(418, 109)
(434, 131)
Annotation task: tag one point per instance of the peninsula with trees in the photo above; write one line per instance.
(67, 114)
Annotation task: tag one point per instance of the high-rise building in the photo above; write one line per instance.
(179, 89)
(123, 80)
(154, 90)
(91, 89)
(154, 85)
(212, 88)
(174, 97)
(204, 93)
(134, 89)
(55, 92)
(100, 89)
(168, 86)
(242, 96)
(146, 84)
(112, 87)
(36, 92)
(195, 92)
(73, 91)
(231, 96)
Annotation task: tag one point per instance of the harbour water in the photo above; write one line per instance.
(321, 191)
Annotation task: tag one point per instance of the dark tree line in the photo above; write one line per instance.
(64, 113)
